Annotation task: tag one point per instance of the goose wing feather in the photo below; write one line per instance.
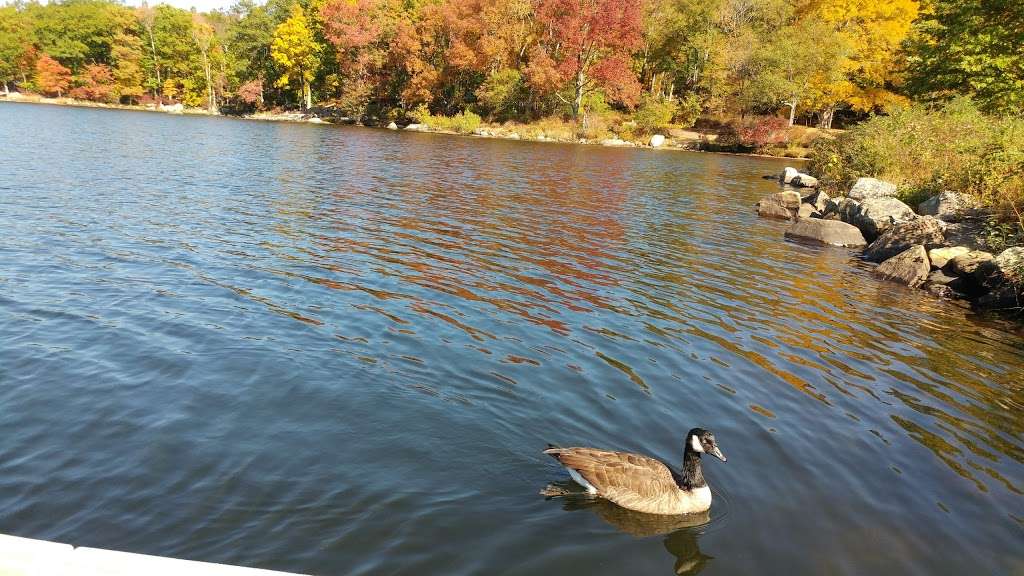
(629, 480)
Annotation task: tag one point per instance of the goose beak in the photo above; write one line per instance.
(717, 453)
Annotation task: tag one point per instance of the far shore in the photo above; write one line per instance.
(682, 140)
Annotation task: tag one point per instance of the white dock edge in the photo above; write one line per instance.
(26, 557)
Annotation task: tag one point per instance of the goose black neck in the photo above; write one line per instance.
(692, 476)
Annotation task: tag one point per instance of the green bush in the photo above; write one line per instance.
(925, 151)
(501, 93)
(653, 114)
(688, 110)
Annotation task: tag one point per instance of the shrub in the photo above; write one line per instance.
(462, 123)
(688, 110)
(755, 132)
(925, 151)
(500, 94)
(653, 114)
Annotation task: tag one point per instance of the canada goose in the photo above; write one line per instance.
(641, 483)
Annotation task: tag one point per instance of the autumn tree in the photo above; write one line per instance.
(588, 44)
(128, 74)
(51, 76)
(203, 36)
(96, 83)
(295, 51)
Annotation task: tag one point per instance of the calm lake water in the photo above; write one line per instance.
(340, 351)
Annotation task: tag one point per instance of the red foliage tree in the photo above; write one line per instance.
(96, 83)
(588, 44)
(51, 77)
(252, 92)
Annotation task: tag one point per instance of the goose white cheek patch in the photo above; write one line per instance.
(695, 444)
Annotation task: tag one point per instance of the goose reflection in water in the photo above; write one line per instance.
(681, 532)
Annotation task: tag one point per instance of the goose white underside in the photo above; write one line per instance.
(581, 481)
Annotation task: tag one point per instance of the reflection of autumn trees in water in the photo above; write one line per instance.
(614, 254)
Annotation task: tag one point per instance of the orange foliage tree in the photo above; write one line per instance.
(96, 83)
(51, 77)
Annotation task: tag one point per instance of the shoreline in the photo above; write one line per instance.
(491, 131)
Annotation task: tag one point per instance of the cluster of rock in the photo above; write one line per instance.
(923, 248)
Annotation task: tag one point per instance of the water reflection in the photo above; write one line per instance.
(681, 532)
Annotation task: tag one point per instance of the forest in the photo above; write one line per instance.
(813, 62)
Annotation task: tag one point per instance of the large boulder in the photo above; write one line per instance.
(779, 205)
(926, 231)
(968, 263)
(787, 175)
(910, 267)
(832, 232)
(939, 256)
(940, 285)
(657, 140)
(1011, 264)
(949, 206)
(876, 215)
(392, 126)
(866, 188)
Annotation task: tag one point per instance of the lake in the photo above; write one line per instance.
(340, 350)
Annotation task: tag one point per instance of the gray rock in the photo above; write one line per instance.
(909, 267)
(967, 263)
(1011, 263)
(416, 127)
(804, 181)
(876, 215)
(392, 126)
(926, 231)
(949, 206)
(1008, 298)
(832, 232)
(779, 205)
(787, 175)
(938, 277)
(939, 256)
(657, 140)
(807, 211)
(819, 199)
(866, 188)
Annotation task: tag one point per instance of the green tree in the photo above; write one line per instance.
(129, 76)
(16, 39)
(970, 48)
(295, 51)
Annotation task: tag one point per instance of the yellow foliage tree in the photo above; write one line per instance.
(871, 32)
(296, 51)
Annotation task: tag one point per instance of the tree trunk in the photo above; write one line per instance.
(792, 111)
(156, 63)
(7, 91)
(307, 94)
(577, 102)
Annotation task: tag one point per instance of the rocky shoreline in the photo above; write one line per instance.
(939, 247)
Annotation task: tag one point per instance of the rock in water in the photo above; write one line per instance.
(818, 199)
(804, 180)
(866, 188)
(832, 232)
(910, 267)
(787, 175)
(657, 140)
(949, 206)
(779, 205)
(876, 215)
(926, 231)
(392, 126)
(939, 256)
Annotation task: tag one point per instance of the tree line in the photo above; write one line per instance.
(804, 60)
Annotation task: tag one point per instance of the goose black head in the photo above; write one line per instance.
(703, 441)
